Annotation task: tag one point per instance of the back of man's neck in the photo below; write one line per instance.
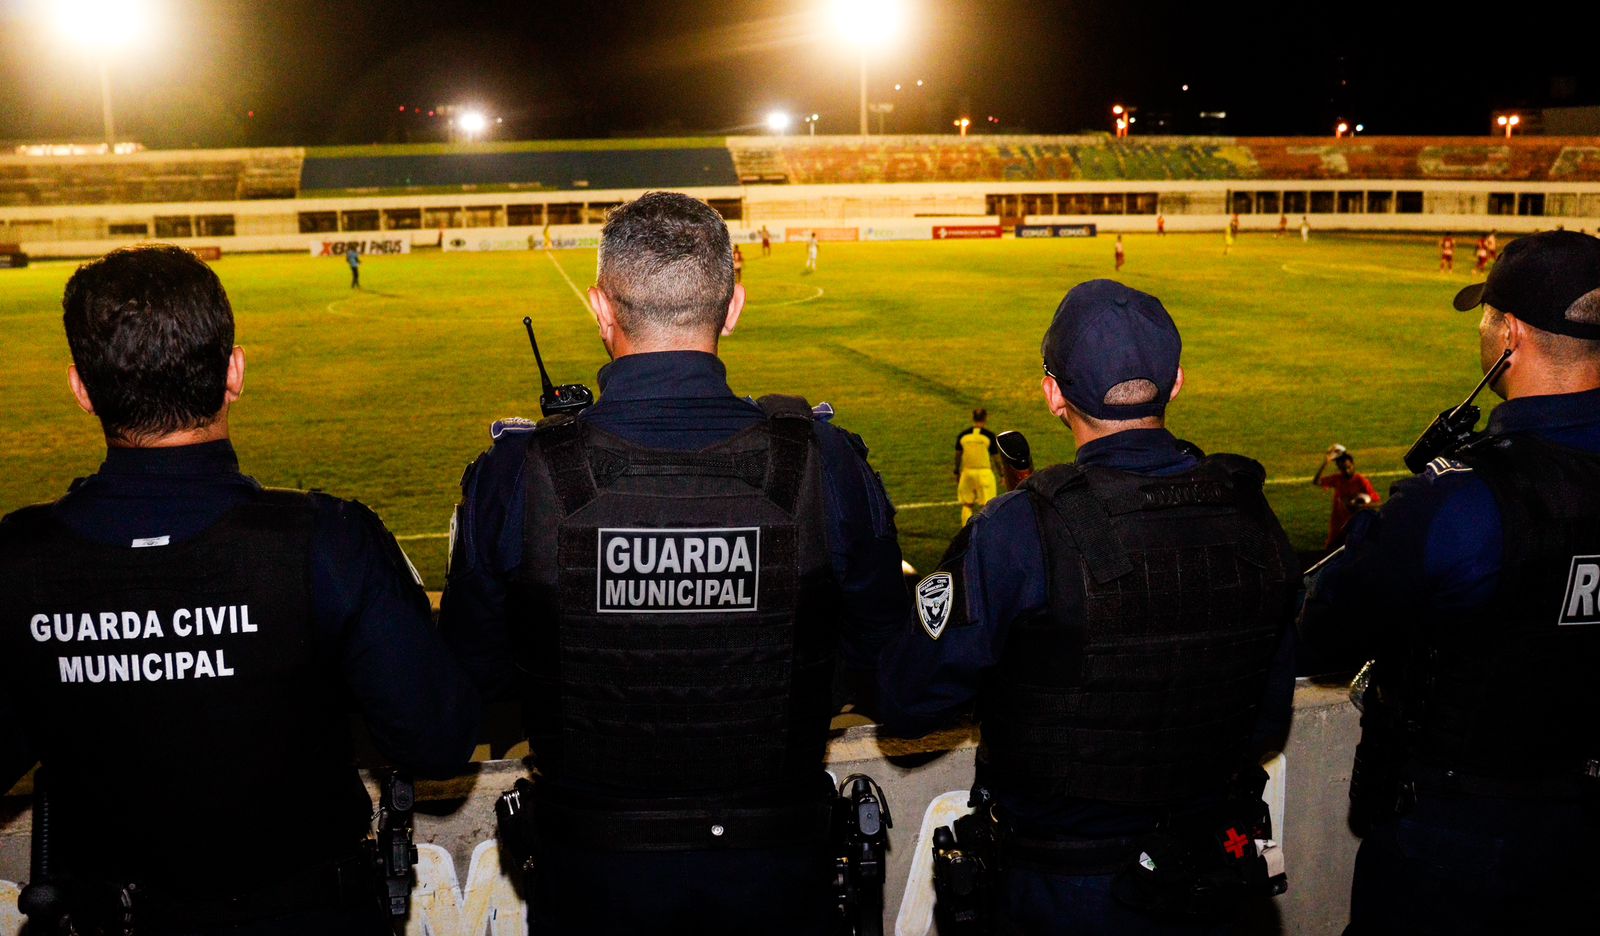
(216, 432)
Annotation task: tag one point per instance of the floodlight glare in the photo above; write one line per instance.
(473, 123)
(777, 121)
(101, 25)
(868, 22)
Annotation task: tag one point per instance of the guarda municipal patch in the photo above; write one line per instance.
(655, 571)
(934, 595)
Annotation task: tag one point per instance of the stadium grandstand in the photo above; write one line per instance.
(267, 199)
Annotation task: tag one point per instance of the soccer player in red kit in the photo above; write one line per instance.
(1121, 255)
(1447, 254)
(1482, 254)
(1347, 486)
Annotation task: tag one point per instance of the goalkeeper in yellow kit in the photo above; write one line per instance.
(976, 454)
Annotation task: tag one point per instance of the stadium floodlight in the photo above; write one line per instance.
(962, 123)
(472, 123)
(868, 25)
(1508, 123)
(1340, 130)
(103, 28)
(778, 122)
(811, 122)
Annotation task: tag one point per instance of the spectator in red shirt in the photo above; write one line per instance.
(1351, 491)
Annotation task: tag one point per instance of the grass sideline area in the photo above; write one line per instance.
(385, 394)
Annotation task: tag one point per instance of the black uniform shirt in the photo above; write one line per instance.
(677, 400)
(371, 613)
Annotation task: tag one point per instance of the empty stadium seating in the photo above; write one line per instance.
(152, 176)
(554, 170)
(232, 175)
(845, 160)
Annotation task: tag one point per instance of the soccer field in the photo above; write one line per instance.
(385, 394)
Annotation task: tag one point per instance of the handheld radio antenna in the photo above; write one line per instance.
(544, 375)
(1488, 378)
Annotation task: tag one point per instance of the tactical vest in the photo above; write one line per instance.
(1511, 689)
(1141, 680)
(676, 614)
(192, 734)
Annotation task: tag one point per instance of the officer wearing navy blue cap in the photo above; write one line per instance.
(667, 582)
(179, 645)
(1121, 626)
(1477, 590)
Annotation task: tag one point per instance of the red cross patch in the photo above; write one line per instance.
(1235, 843)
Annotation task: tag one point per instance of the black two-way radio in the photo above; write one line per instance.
(1454, 427)
(554, 400)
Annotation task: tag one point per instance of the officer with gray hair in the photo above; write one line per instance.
(667, 581)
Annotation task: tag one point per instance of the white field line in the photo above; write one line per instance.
(924, 505)
(583, 300)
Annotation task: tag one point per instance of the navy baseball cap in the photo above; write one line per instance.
(1104, 334)
(1539, 278)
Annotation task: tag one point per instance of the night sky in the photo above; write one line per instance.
(337, 71)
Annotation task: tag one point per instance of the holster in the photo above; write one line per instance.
(1378, 790)
(1201, 864)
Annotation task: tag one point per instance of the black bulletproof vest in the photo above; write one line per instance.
(676, 614)
(1167, 598)
(193, 739)
(1511, 690)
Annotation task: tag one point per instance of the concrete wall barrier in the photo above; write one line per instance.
(461, 888)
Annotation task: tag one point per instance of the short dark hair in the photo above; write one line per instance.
(151, 331)
(1344, 458)
(980, 415)
(666, 261)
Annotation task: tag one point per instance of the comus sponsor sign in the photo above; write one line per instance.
(823, 233)
(967, 231)
(658, 571)
(366, 246)
(1056, 230)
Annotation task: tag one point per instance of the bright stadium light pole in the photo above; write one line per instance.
(102, 28)
(867, 25)
(778, 122)
(1508, 123)
(472, 124)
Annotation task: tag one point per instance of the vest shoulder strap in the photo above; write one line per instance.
(1064, 489)
(777, 405)
(560, 441)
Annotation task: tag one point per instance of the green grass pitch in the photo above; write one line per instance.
(385, 394)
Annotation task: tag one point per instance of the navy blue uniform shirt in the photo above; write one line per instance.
(924, 684)
(1434, 548)
(370, 613)
(677, 400)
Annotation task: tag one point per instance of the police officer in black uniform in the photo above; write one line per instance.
(179, 644)
(666, 581)
(1121, 624)
(1477, 591)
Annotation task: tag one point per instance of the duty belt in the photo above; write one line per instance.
(1068, 856)
(683, 829)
